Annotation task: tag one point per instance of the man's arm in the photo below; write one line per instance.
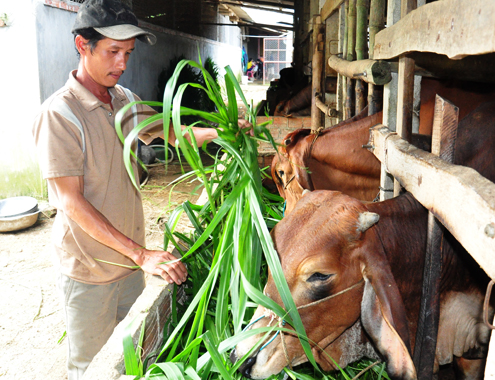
(71, 195)
(201, 134)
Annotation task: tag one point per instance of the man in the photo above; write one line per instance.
(100, 219)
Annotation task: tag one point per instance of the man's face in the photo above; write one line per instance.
(108, 60)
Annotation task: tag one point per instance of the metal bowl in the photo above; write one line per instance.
(18, 213)
(16, 223)
(17, 206)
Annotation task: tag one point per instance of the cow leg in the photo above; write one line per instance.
(469, 369)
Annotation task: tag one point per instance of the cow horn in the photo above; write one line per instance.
(305, 191)
(366, 220)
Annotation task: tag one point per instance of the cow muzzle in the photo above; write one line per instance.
(245, 368)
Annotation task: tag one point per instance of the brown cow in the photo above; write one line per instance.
(337, 161)
(355, 273)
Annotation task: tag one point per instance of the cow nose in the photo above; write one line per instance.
(245, 367)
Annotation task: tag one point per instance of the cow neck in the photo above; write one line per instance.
(344, 140)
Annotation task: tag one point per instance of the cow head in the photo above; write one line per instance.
(328, 246)
(289, 169)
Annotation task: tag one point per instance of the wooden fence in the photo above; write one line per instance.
(454, 28)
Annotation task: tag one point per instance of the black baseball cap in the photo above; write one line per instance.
(112, 19)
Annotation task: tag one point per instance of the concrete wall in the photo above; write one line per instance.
(38, 53)
(57, 55)
(142, 72)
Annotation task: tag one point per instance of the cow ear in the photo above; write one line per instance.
(383, 317)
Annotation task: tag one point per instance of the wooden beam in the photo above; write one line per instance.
(329, 8)
(276, 10)
(274, 3)
(453, 193)
(455, 28)
(370, 71)
(254, 25)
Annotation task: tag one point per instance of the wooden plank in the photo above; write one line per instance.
(329, 8)
(455, 194)
(456, 28)
(444, 136)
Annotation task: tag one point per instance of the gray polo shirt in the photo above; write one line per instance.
(88, 146)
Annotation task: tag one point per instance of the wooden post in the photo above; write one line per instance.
(332, 43)
(389, 106)
(377, 14)
(317, 72)
(405, 91)
(443, 145)
(362, 9)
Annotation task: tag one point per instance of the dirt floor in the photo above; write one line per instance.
(31, 320)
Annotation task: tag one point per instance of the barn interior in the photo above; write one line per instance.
(423, 64)
(366, 56)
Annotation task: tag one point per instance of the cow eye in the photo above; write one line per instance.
(287, 142)
(281, 173)
(319, 277)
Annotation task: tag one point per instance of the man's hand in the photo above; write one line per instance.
(149, 262)
(244, 124)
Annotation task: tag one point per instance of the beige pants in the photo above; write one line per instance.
(91, 314)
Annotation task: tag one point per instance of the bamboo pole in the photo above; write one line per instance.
(351, 44)
(340, 78)
(362, 9)
(351, 30)
(377, 18)
(344, 56)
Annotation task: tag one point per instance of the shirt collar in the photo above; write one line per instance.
(86, 97)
